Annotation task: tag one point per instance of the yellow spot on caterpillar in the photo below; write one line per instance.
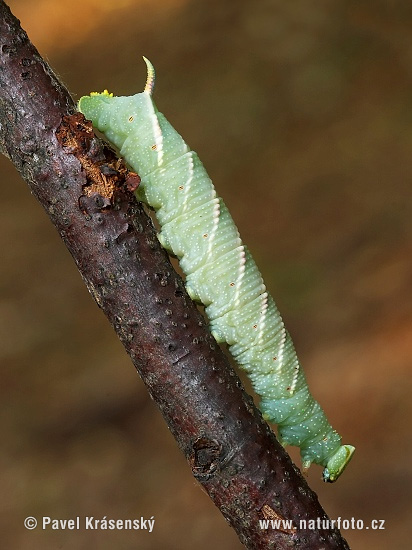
(205, 235)
(255, 327)
(181, 187)
(104, 93)
(275, 358)
(232, 284)
(131, 118)
(153, 147)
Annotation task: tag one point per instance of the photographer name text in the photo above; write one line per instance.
(91, 523)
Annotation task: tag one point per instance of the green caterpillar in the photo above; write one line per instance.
(220, 272)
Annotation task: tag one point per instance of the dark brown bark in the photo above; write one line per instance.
(88, 196)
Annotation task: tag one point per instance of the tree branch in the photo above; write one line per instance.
(87, 194)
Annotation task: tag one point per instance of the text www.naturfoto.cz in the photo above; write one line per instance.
(287, 526)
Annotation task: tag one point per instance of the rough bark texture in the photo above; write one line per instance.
(87, 194)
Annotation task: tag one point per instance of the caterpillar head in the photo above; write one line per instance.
(337, 463)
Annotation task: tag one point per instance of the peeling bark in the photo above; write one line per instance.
(88, 194)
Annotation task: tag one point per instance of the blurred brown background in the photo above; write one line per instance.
(302, 113)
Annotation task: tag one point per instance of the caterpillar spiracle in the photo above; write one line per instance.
(197, 228)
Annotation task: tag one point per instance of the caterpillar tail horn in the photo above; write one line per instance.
(151, 77)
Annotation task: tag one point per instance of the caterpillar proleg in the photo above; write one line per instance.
(220, 272)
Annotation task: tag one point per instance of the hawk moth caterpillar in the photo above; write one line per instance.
(197, 228)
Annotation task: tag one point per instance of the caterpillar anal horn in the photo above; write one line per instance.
(151, 77)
